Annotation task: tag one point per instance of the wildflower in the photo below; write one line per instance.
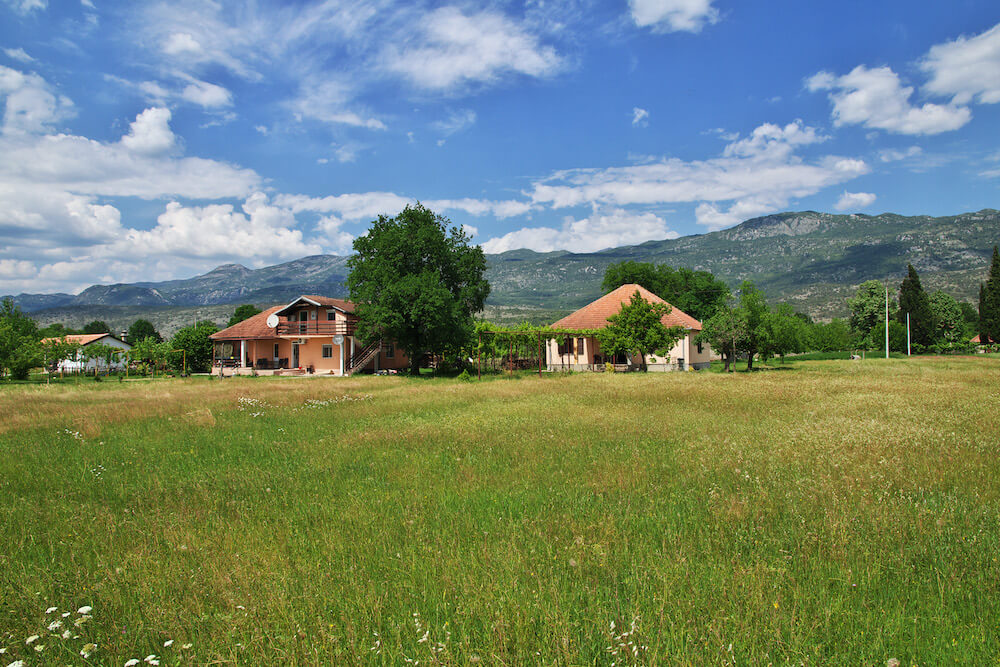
(31, 640)
(168, 643)
(186, 646)
(55, 625)
(151, 659)
(424, 638)
(892, 662)
(85, 610)
(80, 621)
(2, 650)
(66, 634)
(132, 663)
(66, 613)
(16, 663)
(39, 648)
(88, 650)
(51, 609)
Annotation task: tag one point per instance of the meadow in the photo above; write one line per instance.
(831, 512)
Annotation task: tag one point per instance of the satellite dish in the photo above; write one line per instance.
(272, 320)
(338, 340)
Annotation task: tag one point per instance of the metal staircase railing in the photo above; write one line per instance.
(361, 358)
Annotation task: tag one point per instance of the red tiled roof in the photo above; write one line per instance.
(79, 339)
(256, 326)
(595, 315)
(975, 340)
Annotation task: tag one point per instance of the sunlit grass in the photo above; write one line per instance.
(837, 511)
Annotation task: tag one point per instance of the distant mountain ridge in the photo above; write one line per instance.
(812, 260)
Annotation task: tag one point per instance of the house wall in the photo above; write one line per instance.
(582, 357)
(78, 364)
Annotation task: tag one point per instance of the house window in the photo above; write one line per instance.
(563, 346)
(390, 351)
(328, 351)
(579, 346)
(331, 315)
(277, 351)
(699, 348)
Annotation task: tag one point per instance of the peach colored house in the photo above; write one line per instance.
(312, 334)
(583, 352)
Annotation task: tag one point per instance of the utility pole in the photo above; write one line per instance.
(907, 334)
(887, 321)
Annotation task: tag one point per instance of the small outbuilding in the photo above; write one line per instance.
(80, 363)
(583, 352)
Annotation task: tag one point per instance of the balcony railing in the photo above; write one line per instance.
(314, 328)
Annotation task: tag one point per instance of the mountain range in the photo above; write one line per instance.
(812, 260)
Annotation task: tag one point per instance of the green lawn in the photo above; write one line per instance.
(836, 512)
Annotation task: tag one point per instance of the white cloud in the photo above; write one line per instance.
(18, 54)
(968, 69)
(600, 230)
(455, 122)
(876, 98)
(207, 94)
(895, 155)
(450, 49)
(262, 129)
(640, 117)
(181, 42)
(328, 101)
(24, 7)
(855, 201)
(150, 133)
(673, 15)
(470, 231)
(369, 205)
(758, 174)
(30, 105)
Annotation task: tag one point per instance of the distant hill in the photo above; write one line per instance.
(812, 260)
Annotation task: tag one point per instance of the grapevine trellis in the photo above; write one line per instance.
(511, 349)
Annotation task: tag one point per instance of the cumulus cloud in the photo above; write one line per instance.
(967, 69)
(756, 174)
(600, 230)
(855, 201)
(450, 49)
(876, 98)
(30, 104)
(150, 132)
(640, 117)
(207, 95)
(673, 15)
(18, 54)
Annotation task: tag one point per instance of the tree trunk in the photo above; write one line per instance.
(725, 361)
(750, 361)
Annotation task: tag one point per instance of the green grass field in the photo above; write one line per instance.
(835, 512)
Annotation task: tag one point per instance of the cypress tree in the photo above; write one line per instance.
(914, 300)
(989, 303)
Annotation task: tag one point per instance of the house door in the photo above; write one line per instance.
(303, 318)
(295, 355)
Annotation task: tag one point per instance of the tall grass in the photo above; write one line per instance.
(840, 512)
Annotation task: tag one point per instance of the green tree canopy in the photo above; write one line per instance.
(949, 323)
(57, 348)
(196, 342)
(141, 330)
(913, 300)
(833, 336)
(868, 315)
(785, 332)
(697, 293)
(417, 281)
(97, 326)
(754, 312)
(57, 330)
(725, 332)
(989, 303)
(638, 329)
(19, 342)
(243, 312)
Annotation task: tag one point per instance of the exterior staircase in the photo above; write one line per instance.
(361, 357)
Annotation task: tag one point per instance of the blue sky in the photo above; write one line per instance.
(155, 140)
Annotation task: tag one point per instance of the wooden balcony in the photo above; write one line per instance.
(314, 328)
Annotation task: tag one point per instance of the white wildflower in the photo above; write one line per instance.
(51, 609)
(88, 650)
(424, 638)
(16, 663)
(168, 643)
(55, 625)
(31, 640)
(151, 659)
(66, 634)
(132, 663)
(66, 613)
(39, 648)
(85, 610)
(80, 621)
(186, 646)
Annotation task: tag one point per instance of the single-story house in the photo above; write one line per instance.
(583, 352)
(80, 363)
(312, 334)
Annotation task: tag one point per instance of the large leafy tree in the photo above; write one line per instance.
(97, 326)
(243, 312)
(786, 332)
(755, 314)
(19, 342)
(416, 280)
(949, 323)
(196, 342)
(725, 331)
(697, 293)
(833, 336)
(56, 349)
(914, 301)
(989, 303)
(638, 329)
(141, 330)
(868, 315)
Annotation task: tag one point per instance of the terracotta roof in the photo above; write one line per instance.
(595, 315)
(80, 339)
(252, 327)
(344, 305)
(975, 340)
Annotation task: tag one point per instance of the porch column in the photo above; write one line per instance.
(342, 369)
(243, 352)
